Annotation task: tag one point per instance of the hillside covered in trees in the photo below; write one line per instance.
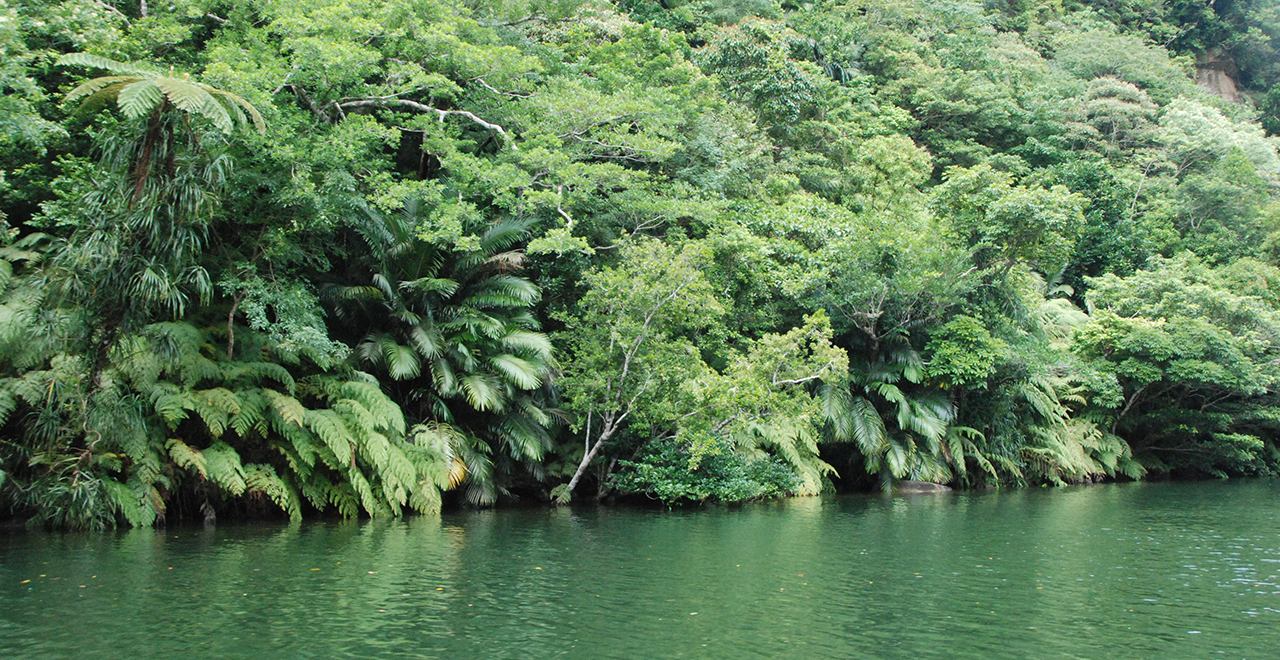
(372, 256)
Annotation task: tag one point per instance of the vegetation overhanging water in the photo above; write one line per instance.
(300, 258)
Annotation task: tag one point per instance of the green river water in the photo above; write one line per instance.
(1187, 570)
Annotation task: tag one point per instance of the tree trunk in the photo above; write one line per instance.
(590, 456)
(604, 489)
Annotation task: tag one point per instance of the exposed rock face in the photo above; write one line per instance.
(915, 487)
(1217, 72)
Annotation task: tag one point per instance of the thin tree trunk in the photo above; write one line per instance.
(231, 327)
(142, 169)
(604, 489)
(590, 456)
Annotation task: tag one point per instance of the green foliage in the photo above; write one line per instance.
(775, 248)
(140, 92)
(666, 470)
(963, 353)
(1195, 358)
(453, 324)
(1007, 223)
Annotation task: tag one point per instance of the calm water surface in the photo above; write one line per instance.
(1120, 571)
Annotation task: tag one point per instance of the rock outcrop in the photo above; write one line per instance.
(1217, 72)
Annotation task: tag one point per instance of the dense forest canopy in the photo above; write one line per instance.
(372, 256)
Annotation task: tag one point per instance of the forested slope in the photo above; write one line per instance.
(376, 256)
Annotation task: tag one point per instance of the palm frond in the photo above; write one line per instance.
(525, 374)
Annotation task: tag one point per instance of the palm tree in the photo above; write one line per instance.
(900, 434)
(453, 327)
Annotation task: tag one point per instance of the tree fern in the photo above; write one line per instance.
(139, 92)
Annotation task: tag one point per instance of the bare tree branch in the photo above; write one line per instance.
(420, 107)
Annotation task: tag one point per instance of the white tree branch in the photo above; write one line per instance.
(421, 107)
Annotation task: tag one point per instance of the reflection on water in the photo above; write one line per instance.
(1120, 571)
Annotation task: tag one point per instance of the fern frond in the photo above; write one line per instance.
(100, 97)
(187, 457)
(256, 372)
(8, 401)
(254, 116)
(136, 504)
(196, 369)
(138, 99)
(365, 493)
(215, 408)
(377, 403)
(224, 468)
(90, 87)
(251, 419)
(99, 62)
(195, 99)
(172, 408)
(263, 479)
(329, 426)
(290, 410)
(343, 497)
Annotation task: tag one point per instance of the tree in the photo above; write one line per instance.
(1006, 224)
(626, 354)
(1193, 351)
(452, 327)
(140, 92)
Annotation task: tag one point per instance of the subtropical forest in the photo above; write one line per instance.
(366, 257)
